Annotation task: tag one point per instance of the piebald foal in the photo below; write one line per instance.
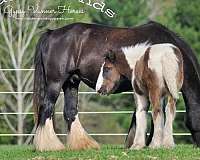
(156, 72)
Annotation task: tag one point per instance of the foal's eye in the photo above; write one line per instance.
(106, 69)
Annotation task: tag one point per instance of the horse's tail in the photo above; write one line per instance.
(170, 69)
(39, 76)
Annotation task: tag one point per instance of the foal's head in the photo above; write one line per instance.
(109, 76)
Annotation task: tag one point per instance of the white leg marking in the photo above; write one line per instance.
(158, 131)
(168, 140)
(78, 138)
(45, 138)
(141, 122)
(100, 78)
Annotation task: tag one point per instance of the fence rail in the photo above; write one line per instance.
(91, 134)
(17, 69)
(59, 113)
(60, 92)
(100, 112)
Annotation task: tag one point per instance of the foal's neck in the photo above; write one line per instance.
(123, 66)
(127, 71)
(133, 54)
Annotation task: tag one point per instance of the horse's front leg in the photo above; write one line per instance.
(77, 137)
(141, 121)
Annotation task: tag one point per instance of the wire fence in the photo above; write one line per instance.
(60, 113)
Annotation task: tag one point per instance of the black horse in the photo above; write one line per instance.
(74, 53)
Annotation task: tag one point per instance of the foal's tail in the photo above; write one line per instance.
(39, 76)
(171, 69)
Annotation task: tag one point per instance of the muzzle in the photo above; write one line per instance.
(103, 91)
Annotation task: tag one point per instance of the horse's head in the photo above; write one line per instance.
(109, 76)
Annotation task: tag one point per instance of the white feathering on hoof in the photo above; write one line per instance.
(78, 139)
(45, 138)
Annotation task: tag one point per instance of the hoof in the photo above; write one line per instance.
(78, 139)
(168, 144)
(81, 143)
(168, 141)
(137, 146)
(45, 138)
(130, 138)
(155, 145)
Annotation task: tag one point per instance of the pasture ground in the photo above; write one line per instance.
(107, 152)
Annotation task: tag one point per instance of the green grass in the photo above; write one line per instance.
(107, 152)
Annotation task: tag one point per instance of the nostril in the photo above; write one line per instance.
(99, 91)
(102, 90)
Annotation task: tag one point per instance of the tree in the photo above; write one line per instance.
(184, 19)
(16, 53)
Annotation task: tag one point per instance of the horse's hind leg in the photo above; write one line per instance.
(168, 140)
(77, 138)
(45, 138)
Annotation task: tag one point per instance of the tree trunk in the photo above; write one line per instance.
(20, 122)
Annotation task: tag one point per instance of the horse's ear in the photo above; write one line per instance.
(110, 56)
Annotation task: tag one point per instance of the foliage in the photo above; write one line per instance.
(184, 18)
(128, 13)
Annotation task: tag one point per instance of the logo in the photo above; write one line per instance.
(3, 1)
(34, 12)
(99, 6)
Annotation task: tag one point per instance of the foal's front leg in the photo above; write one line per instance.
(141, 121)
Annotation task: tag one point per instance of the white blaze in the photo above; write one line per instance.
(100, 78)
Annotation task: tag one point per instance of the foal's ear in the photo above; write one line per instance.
(110, 56)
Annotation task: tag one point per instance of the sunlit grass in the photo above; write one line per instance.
(107, 152)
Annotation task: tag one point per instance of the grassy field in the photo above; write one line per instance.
(107, 152)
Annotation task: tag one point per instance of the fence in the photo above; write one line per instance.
(102, 112)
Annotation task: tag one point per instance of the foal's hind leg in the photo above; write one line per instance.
(77, 138)
(45, 138)
(158, 119)
(131, 133)
(141, 121)
(168, 140)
